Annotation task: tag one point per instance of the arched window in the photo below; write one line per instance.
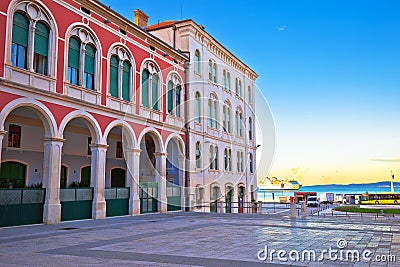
(216, 158)
(210, 70)
(198, 108)
(211, 157)
(88, 76)
(249, 96)
(229, 124)
(239, 126)
(225, 159)
(209, 113)
(198, 155)
(215, 125)
(41, 50)
(154, 91)
(197, 61)
(178, 100)
(228, 78)
(251, 163)
(170, 97)
(215, 72)
(213, 111)
(224, 121)
(121, 73)
(241, 162)
(126, 81)
(174, 96)
(238, 87)
(224, 79)
(238, 161)
(32, 38)
(82, 58)
(250, 128)
(73, 61)
(19, 45)
(12, 174)
(150, 86)
(229, 159)
(145, 88)
(114, 76)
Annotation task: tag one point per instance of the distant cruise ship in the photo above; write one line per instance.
(276, 184)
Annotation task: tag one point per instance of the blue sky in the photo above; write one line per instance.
(330, 71)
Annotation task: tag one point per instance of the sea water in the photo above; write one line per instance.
(380, 187)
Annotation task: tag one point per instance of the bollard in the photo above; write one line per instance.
(303, 209)
(260, 207)
(221, 207)
(292, 210)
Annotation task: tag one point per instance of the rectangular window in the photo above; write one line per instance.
(89, 149)
(40, 64)
(14, 136)
(18, 55)
(88, 81)
(119, 150)
(73, 75)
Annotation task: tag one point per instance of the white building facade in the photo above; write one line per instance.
(220, 119)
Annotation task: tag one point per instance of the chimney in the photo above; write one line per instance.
(140, 18)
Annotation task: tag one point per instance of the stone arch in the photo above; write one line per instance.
(39, 108)
(88, 119)
(156, 137)
(127, 129)
(175, 137)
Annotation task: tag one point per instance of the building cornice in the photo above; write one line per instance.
(189, 27)
(127, 25)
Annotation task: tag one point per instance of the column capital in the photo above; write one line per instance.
(53, 139)
(160, 154)
(103, 146)
(3, 133)
(133, 150)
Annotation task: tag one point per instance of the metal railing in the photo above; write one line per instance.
(76, 194)
(116, 193)
(17, 196)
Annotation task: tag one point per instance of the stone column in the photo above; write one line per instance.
(235, 199)
(161, 178)
(133, 164)
(98, 178)
(2, 134)
(51, 179)
(184, 191)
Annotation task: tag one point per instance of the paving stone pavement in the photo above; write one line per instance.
(196, 239)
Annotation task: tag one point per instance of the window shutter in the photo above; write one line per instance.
(126, 81)
(114, 76)
(41, 39)
(89, 59)
(178, 100)
(20, 30)
(73, 53)
(145, 88)
(170, 96)
(154, 92)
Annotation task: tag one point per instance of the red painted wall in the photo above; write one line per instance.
(64, 18)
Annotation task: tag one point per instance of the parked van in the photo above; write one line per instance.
(312, 201)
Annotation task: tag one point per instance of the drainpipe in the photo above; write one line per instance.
(187, 128)
(174, 28)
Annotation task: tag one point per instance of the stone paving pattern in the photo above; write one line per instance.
(194, 239)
